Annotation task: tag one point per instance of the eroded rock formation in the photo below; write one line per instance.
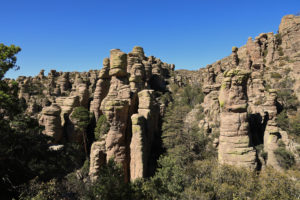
(234, 141)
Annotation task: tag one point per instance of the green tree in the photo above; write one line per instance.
(110, 184)
(82, 116)
(24, 151)
(168, 181)
(8, 58)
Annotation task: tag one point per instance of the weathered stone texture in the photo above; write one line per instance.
(50, 118)
(234, 141)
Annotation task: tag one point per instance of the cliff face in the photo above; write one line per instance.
(241, 103)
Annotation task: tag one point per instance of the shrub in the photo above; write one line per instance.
(271, 184)
(265, 52)
(275, 75)
(284, 157)
(165, 98)
(41, 190)
(82, 116)
(110, 184)
(287, 98)
(264, 155)
(278, 38)
(280, 51)
(287, 71)
(102, 127)
(208, 180)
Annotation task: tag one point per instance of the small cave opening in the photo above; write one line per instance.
(157, 83)
(279, 107)
(257, 124)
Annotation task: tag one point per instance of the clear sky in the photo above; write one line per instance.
(73, 35)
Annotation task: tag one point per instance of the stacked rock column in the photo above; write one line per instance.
(115, 106)
(234, 141)
(102, 88)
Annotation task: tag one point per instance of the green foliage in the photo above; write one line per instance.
(271, 184)
(284, 157)
(110, 185)
(8, 58)
(210, 181)
(168, 182)
(24, 150)
(265, 52)
(102, 127)
(282, 120)
(10, 105)
(82, 115)
(166, 98)
(26, 155)
(280, 51)
(289, 118)
(35, 88)
(192, 96)
(260, 151)
(288, 59)
(38, 190)
(185, 143)
(275, 75)
(83, 118)
(24, 124)
(287, 71)
(278, 38)
(286, 95)
(200, 113)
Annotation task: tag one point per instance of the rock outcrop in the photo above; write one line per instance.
(138, 152)
(234, 142)
(51, 120)
(102, 88)
(130, 108)
(97, 159)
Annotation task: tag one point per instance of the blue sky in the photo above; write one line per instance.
(73, 35)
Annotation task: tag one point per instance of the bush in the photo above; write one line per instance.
(209, 180)
(102, 127)
(280, 50)
(82, 115)
(265, 52)
(287, 98)
(111, 183)
(284, 157)
(278, 39)
(271, 184)
(168, 181)
(275, 75)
